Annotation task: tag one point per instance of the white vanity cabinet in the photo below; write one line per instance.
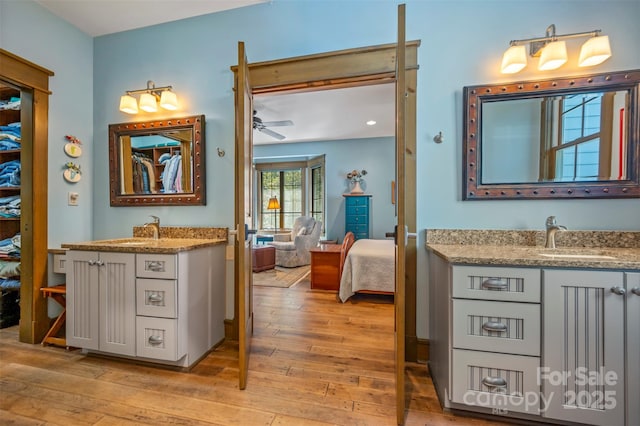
(156, 307)
(101, 301)
(495, 337)
(632, 335)
(552, 345)
(584, 346)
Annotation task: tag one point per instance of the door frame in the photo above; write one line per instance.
(33, 81)
(351, 68)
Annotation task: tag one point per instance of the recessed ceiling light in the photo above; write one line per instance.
(371, 122)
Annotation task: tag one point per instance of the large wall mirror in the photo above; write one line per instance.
(157, 162)
(575, 137)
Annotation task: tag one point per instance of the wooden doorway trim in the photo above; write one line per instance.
(33, 81)
(349, 68)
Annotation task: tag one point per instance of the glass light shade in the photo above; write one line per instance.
(148, 102)
(514, 59)
(169, 100)
(128, 104)
(594, 51)
(553, 56)
(273, 204)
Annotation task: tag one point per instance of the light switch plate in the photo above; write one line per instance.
(73, 198)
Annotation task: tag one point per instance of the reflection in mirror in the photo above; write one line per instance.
(566, 138)
(157, 162)
(561, 138)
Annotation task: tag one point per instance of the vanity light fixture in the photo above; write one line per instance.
(149, 99)
(552, 51)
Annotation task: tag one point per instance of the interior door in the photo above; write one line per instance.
(244, 161)
(400, 213)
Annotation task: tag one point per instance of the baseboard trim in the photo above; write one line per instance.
(423, 350)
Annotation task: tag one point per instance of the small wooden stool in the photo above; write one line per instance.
(57, 293)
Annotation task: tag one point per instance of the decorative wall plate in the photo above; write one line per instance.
(73, 150)
(71, 176)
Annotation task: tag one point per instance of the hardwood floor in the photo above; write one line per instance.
(314, 361)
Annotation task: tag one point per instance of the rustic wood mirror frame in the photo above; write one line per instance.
(474, 96)
(194, 197)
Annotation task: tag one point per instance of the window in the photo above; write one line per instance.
(317, 193)
(299, 187)
(579, 149)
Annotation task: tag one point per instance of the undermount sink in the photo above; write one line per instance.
(128, 242)
(135, 243)
(576, 256)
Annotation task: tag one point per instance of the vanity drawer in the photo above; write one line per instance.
(156, 298)
(490, 283)
(156, 266)
(496, 381)
(506, 327)
(157, 338)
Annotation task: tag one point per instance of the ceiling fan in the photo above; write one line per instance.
(263, 126)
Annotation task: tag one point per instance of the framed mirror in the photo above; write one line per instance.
(574, 137)
(158, 163)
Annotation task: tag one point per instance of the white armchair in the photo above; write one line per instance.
(292, 249)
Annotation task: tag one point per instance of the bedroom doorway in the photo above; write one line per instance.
(347, 68)
(351, 68)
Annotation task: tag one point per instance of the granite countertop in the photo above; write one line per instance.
(145, 245)
(605, 258)
(172, 240)
(618, 250)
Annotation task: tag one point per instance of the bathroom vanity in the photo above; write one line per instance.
(159, 301)
(518, 330)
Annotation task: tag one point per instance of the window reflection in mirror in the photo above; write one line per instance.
(157, 162)
(563, 138)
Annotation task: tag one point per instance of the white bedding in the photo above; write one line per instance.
(370, 265)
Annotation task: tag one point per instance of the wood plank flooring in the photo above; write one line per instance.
(314, 361)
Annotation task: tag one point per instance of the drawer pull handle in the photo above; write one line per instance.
(494, 382)
(495, 284)
(636, 291)
(155, 340)
(155, 266)
(618, 290)
(494, 326)
(154, 298)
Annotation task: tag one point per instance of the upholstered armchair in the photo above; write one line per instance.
(292, 249)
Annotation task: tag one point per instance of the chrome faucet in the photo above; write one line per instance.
(552, 228)
(155, 225)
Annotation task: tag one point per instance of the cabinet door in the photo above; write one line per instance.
(633, 348)
(82, 299)
(583, 365)
(117, 303)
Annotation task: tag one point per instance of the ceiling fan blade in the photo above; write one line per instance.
(272, 133)
(278, 123)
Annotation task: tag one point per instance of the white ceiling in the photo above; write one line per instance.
(320, 115)
(100, 17)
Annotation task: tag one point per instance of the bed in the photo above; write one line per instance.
(367, 266)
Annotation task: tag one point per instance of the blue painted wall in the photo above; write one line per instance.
(462, 44)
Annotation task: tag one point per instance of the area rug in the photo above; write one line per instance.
(280, 276)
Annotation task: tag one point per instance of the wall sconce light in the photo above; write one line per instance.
(149, 99)
(552, 51)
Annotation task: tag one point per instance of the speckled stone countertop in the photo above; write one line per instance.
(172, 240)
(575, 249)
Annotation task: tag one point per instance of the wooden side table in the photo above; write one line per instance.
(325, 267)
